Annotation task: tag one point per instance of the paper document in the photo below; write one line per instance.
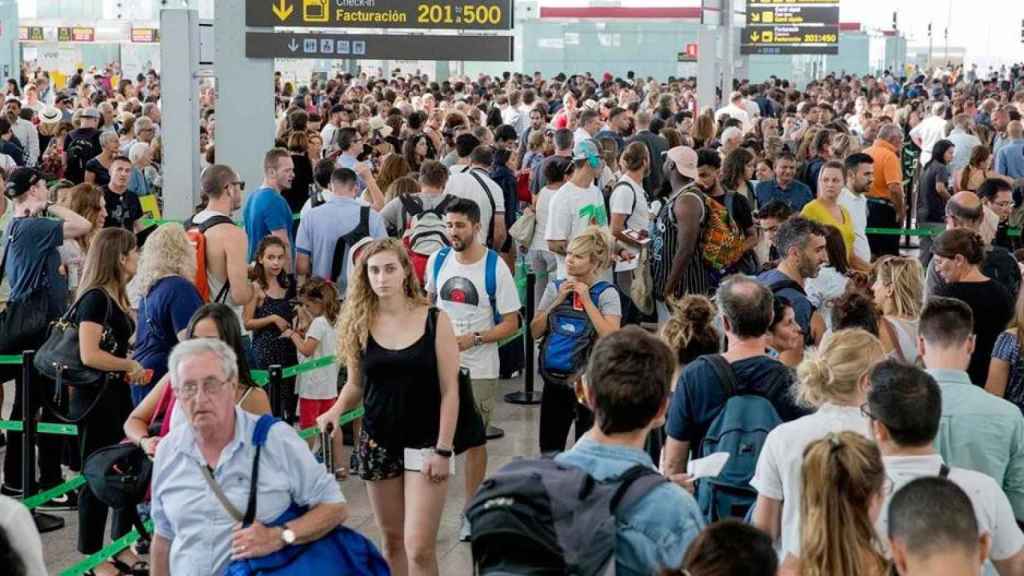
(414, 459)
(707, 466)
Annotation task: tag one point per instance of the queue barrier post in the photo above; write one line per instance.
(527, 396)
(44, 522)
(275, 382)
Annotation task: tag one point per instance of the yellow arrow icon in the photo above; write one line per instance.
(755, 36)
(755, 17)
(282, 10)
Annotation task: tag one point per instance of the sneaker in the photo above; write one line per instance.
(66, 501)
(11, 492)
(465, 531)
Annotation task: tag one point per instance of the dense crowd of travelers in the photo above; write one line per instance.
(758, 380)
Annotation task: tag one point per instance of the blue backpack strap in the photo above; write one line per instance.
(598, 288)
(438, 262)
(491, 283)
(259, 434)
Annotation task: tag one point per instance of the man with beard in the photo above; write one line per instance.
(24, 130)
(801, 243)
(476, 289)
(124, 210)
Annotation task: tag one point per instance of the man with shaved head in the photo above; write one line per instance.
(964, 210)
(1010, 159)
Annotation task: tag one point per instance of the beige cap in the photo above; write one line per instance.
(685, 160)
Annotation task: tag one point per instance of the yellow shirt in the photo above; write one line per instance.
(817, 212)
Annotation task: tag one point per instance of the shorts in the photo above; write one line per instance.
(376, 462)
(309, 409)
(485, 392)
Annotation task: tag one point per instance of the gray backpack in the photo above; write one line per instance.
(540, 517)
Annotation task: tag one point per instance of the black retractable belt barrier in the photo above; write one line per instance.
(528, 395)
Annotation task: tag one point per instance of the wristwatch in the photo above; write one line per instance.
(443, 453)
(288, 535)
(478, 340)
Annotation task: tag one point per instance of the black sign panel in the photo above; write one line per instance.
(455, 15)
(790, 40)
(31, 34)
(377, 47)
(792, 15)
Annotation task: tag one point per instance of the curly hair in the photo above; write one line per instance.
(87, 201)
(361, 301)
(690, 331)
(167, 252)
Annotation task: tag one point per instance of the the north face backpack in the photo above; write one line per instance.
(197, 237)
(569, 339)
(79, 152)
(739, 429)
(345, 243)
(425, 229)
(540, 517)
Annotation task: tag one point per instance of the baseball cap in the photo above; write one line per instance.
(20, 181)
(685, 160)
(586, 149)
(91, 113)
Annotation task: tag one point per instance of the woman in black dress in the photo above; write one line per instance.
(407, 351)
(105, 328)
(959, 254)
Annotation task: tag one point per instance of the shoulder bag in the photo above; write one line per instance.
(23, 323)
(340, 551)
(60, 359)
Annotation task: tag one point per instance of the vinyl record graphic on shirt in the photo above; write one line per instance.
(461, 290)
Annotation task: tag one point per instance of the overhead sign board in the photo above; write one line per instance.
(790, 40)
(455, 14)
(377, 46)
(31, 34)
(791, 15)
(145, 35)
(791, 27)
(76, 34)
(688, 55)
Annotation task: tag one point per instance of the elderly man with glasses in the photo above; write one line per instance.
(194, 534)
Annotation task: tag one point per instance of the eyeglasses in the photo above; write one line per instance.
(239, 183)
(865, 413)
(190, 389)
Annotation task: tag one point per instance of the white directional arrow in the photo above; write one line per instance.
(293, 45)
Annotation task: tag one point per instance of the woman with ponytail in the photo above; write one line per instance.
(834, 381)
(844, 488)
(690, 331)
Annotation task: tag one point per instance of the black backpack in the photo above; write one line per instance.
(541, 517)
(494, 207)
(79, 152)
(346, 242)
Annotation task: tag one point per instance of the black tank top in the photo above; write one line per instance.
(402, 393)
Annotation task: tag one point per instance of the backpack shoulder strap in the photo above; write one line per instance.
(725, 373)
(490, 199)
(944, 471)
(442, 254)
(259, 439)
(634, 484)
(598, 288)
(491, 283)
(214, 221)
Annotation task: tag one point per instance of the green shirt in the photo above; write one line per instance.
(982, 432)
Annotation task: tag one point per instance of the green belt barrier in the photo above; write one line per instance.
(259, 377)
(345, 418)
(307, 366)
(52, 493)
(14, 359)
(515, 335)
(112, 549)
(1012, 232)
(41, 427)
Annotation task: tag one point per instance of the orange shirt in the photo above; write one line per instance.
(888, 169)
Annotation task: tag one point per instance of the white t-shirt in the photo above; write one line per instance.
(22, 536)
(573, 210)
(322, 383)
(465, 185)
(991, 506)
(824, 289)
(542, 211)
(463, 296)
(624, 194)
(778, 468)
(857, 206)
(930, 130)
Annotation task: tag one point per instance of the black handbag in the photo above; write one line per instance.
(59, 358)
(23, 322)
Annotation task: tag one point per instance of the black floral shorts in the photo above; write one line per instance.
(376, 462)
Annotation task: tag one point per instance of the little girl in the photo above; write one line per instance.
(270, 314)
(314, 337)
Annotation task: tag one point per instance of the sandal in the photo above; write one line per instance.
(139, 568)
(341, 473)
